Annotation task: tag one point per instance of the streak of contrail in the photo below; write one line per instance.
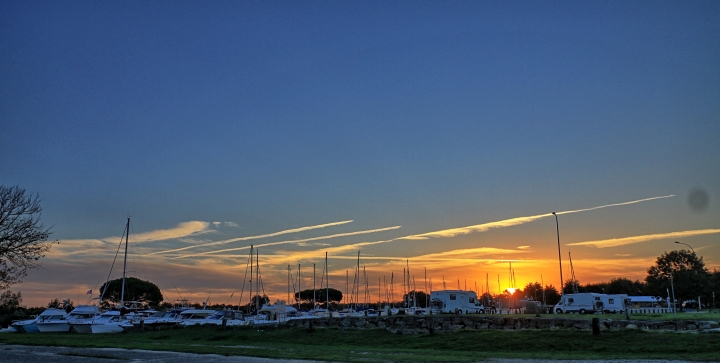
(616, 204)
(293, 241)
(287, 231)
(512, 221)
(614, 242)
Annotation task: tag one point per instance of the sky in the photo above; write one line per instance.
(434, 136)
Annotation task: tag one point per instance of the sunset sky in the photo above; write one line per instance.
(439, 135)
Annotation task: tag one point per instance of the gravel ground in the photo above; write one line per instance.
(32, 354)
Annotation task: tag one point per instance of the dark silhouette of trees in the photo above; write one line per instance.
(690, 277)
(67, 305)
(621, 285)
(416, 297)
(255, 302)
(23, 238)
(306, 296)
(135, 290)
(552, 296)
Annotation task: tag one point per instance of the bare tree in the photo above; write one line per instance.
(23, 238)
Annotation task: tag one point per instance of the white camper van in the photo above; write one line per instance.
(615, 303)
(448, 301)
(581, 303)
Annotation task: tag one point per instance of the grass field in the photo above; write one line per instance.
(378, 345)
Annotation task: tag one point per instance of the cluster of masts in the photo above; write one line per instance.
(360, 286)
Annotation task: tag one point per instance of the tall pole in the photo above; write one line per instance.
(314, 287)
(122, 290)
(257, 280)
(251, 280)
(557, 226)
(672, 286)
(327, 285)
(299, 290)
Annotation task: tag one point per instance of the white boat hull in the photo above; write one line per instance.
(54, 327)
(106, 328)
(82, 328)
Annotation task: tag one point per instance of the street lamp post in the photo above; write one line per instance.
(691, 249)
(557, 227)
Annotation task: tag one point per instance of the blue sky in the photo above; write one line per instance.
(428, 116)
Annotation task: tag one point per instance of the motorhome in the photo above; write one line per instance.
(615, 303)
(450, 301)
(582, 303)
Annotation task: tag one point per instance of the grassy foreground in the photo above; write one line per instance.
(378, 345)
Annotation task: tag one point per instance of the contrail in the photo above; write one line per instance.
(293, 241)
(512, 221)
(614, 242)
(287, 231)
(616, 204)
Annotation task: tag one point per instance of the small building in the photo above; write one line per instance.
(647, 302)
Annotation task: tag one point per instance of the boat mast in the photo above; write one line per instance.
(257, 279)
(122, 290)
(299, 289)
(327, 285)
(251, 280)
(314, 289)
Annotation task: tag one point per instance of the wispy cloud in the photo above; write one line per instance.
(523, 247)
(299, 241)
(614, 242)
(274, 234)
(183, 229)
(513, 221)
(90, 246)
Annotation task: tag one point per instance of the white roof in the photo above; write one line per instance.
(644, 298)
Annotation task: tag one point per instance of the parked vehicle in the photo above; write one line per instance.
(615, 303)
(450, 301)
(581, 303)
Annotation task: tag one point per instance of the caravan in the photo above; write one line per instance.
(590, 303)
(582, 303)
(449, 301)
(615, 303)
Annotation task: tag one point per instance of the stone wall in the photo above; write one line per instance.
(424, 324)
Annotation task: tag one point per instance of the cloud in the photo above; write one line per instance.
(183, 229)
(274, 234)
(614, 242)
(107, 245)
(290, 242)
(512, 222)
(523, 247)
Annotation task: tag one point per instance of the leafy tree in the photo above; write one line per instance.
(9, 302)
(306, 296)
(571, 286)
(23, 238)
(533, 290)
(622, 285)
(135, 290)
(410, 298)
(715, 287)
(487, 299)
(690, 277)
(552, 296)
(256, 301)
